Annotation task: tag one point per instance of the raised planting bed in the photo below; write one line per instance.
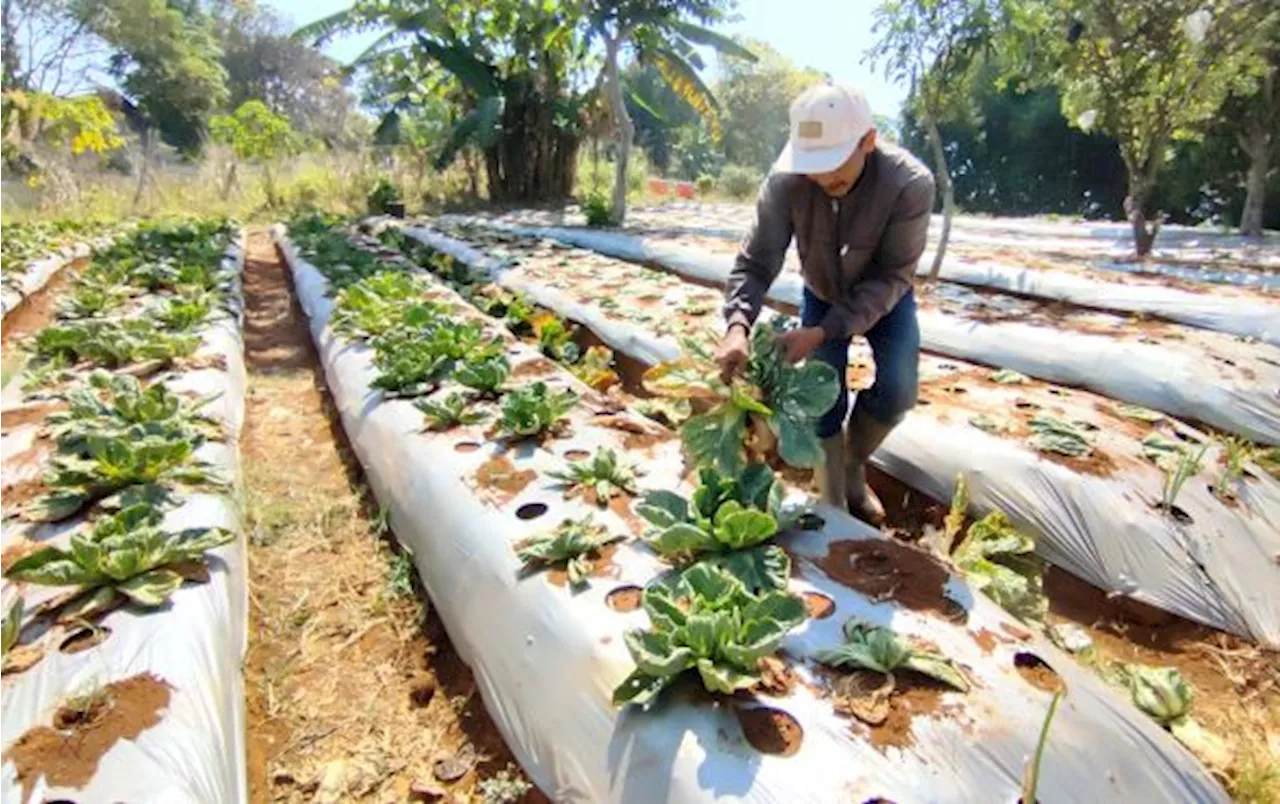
(1193, 374)
(124, 582)
(550, 657)
(1091, 479)
(33, 253)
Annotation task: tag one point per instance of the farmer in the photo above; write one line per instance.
(859, 210)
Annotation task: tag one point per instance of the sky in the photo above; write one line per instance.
(827, 35)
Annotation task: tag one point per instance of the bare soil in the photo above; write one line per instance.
(769, 730)
(886, 570)
(625, 599)
(500, 481)
(84, 729)
(338, 653)
(35, 312)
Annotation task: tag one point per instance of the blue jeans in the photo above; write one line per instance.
(895, 345)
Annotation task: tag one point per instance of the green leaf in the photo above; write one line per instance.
(759, 570)
(151, 589)
(655, 656)
(743, 529)
(663, 508)
(1050, 434)
(12, 625)
(1160, 692)
(724, 679)
(639, 688)
(682, 539)
(716, 438)
(943, 670)
(52, 566)
(716, 41)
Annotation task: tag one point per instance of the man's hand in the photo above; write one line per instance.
(732, 355)
(800, 343)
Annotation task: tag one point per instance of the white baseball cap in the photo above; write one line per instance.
(827, 123)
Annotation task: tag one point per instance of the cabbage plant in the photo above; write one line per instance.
(571, 545)
(709, 622)
(880, 650)
(772, 407)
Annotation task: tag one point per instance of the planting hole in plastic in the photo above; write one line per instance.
(769, 730)
(84, 638)
(531, 510)
(466, 446)
(576, 454)
(1037, 672)
(625, 599)
(1177, 513)
(820, 606)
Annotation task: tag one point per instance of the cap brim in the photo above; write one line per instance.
(818, 160)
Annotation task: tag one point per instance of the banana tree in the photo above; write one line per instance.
(663, 34)
(515, 70)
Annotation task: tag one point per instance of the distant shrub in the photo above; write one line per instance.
(740, 181)
(383, 194)
(705, 184)
(598, 210)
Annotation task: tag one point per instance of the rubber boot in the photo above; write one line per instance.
(830, 474)
(862, 436)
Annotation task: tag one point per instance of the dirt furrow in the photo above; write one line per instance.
(354, 691)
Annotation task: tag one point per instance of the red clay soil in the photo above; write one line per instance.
(770, 731)
(818, 605)
(625, 599)
(1036, 672)
(502, 480)
(886, 570)
(14, 418)
(35, 312)
(83, 731)
(985, 639)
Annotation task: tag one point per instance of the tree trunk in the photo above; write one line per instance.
(1255, 183)
(230, 181)
(948, 193)
(1135, 207)
(144, 172)
(625, 128)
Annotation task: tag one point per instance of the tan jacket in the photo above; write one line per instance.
(858, 253)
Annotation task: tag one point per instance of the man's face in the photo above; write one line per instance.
(837, 182)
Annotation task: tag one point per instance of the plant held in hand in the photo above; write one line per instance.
(575, 545)
(773, 407)
(706, 621)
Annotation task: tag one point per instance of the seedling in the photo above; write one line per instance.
(1000, 561)
(596, 368)
(573, 545)
(602, 476)
(671, 412)
(111, 344)
(122, 555)
(1178, 473)
(1031, 777)
(1164, 695)
(485, 376)
(452, 411)
(1008, 377)
(555, 339)
(1050, 434)
(706, 621)
(881, 650)
(110, 404)
(774, 406)
(12, 625)
(534, 410)
(1235, 452)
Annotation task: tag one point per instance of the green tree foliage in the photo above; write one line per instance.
(658, 112)
(75, 125)
(518, 69)
(167, 60)
(663, 34)
(935, 45)
(756, 100)
(1017, 155)
(255, 135)
(1150, 73)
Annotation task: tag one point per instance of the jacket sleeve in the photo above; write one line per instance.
(893, 266)
(761, 254)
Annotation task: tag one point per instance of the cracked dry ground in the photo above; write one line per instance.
(354, 691)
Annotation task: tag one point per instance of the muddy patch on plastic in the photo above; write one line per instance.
(1036, 672)
(645, 442)
(625, 599)
(769, 730)
(819, 606)
(538, 367)
(26, 415)
(885, 570)
(985, 639)
(85, 729)
(777, 677)
(887, 711)
(84, 638)
(500, 481)
(602, 566)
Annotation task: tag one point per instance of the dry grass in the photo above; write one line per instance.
(341, 642)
